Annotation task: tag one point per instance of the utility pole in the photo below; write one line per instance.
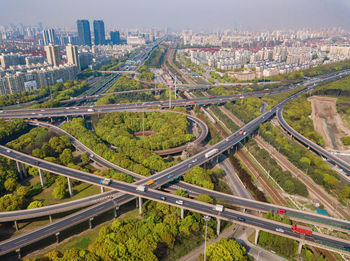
(206, 219)
(143, 123)
(169, 97)
(175, 86)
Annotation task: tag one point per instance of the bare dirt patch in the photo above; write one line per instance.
(327, 122)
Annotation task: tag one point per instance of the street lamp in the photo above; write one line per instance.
(206, 219)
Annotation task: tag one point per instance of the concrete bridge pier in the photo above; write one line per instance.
(115, 212)
(102, 189)
(70, 187)
(42, 179)
(24, 170)
(182, 213)
(57, 237)
(140, 205)
(300, 247)
(90, 222)
(19, 169)
(218, 226)
(18, 251)
(50, 218)
(16, 225)
(256, 236)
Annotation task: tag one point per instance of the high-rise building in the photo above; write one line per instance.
(53, 54)
(84, 32)
(99, 32)
(7, 60)
(115, 37)
(72, 55)
(49, 36)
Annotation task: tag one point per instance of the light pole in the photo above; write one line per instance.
(206, 219)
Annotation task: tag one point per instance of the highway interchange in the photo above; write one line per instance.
(161, 178)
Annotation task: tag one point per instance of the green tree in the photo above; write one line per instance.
(10, 184)
(205, 198)
(59, 192)
(84, 159)
(35, 204)
(66, 157)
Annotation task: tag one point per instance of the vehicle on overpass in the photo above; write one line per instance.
(242, 132)
(281, 211)
(211, 153)
(301, 230)
(105, 181)
(150, 182)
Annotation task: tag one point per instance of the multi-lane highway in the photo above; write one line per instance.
(321, 151)
(163, 177)
(204, 208)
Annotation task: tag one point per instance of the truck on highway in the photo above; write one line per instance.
(211, 153)
(105, 181)
(90, 110)
(191, 102)
(219, 208)
(150, 182)
(301, 230)
(142, 188)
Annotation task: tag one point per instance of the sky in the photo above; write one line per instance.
(181, 14)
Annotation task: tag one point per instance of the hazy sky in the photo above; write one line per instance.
(196, 14)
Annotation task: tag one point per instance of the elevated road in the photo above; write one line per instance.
(315, 239)
(249, 128)
(318, 149)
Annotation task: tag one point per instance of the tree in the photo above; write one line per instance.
(66, 157)
(84, 159)
(226, 250)
(10, 184)
(205, 198)
(22, 191)
(59, 192)
(181, 192)
(11, 202)
(35, 204)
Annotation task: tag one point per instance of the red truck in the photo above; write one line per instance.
(301, 230)
(191, 102)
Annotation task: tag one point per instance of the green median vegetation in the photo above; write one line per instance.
(63, 91)
(124, 83)
(168, 130)
(297, 114)
(316, 168)
(77, 128)
(160, 235)
(289, 184)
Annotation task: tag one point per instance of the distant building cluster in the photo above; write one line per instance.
(32, 79)
(267, 61)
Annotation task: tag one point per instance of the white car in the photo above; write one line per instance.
(180, 202)
(280, 230)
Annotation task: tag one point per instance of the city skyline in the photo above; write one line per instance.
(253, 15)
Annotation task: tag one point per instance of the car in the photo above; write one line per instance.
(194, 160)
(180, 202)
(91, 155)
(8, 151)
(163, 198)
(241, 219)
(189, 165)
(281, 211)
(280, 230)
(105, 181)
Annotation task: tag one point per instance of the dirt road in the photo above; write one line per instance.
(327, 122)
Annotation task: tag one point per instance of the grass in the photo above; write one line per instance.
(184, 247)
(81, 190)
